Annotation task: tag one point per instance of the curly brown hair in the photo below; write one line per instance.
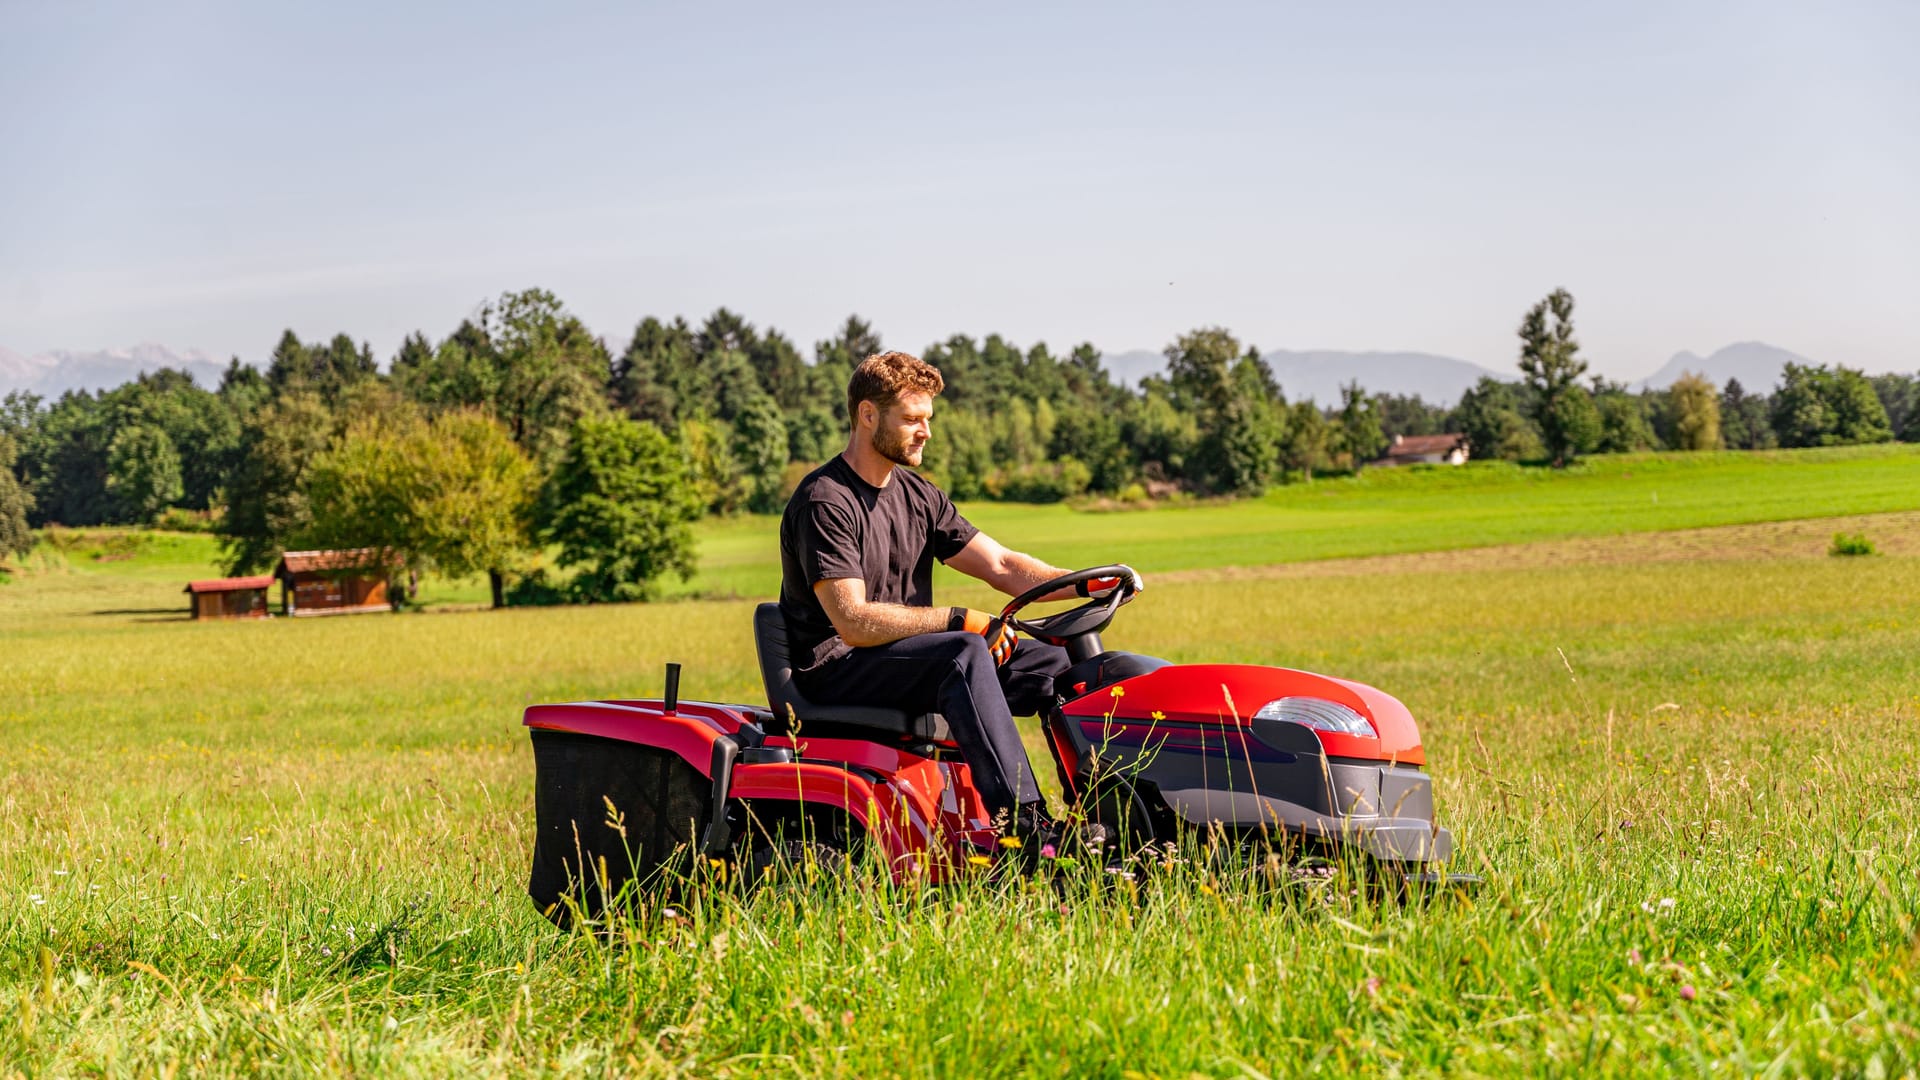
(883, 377)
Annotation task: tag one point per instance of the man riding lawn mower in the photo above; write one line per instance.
(889, 721)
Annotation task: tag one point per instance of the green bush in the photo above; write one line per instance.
(181, 519)
(537, 589)
(1040, 483)
(1850, 544)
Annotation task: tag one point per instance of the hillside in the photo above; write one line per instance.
(1756, 364)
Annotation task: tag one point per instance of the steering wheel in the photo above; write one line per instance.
(1089, 618)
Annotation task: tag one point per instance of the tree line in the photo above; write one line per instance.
(522, 433)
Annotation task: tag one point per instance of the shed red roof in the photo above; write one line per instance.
(1414, 445)
(306, 562)
(229, 584)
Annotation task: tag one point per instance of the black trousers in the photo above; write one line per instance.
(953, 674)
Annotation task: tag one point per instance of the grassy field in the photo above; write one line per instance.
(1684, 760)
(1387, 511)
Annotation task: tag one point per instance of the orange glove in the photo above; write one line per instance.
(1000, 637)
(1101, 587)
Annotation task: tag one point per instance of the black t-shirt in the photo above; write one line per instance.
(839, 526)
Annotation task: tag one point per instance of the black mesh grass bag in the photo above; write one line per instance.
(612, 820)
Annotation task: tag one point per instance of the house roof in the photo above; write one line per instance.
(229, 584)
(307, 562)
(1419, 445)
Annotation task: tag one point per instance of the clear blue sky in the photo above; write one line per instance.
(1310, 176)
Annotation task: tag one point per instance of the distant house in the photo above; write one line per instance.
(334, 582)
(229, 598)
(1429, 449)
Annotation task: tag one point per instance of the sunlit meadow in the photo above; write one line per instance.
(1684, 762)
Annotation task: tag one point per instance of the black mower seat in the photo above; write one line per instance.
(828, 721)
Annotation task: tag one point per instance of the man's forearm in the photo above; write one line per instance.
(877, 624)
(1020, 571)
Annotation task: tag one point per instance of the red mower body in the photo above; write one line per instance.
(1144, 748)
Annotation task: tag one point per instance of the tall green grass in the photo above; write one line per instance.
(300, 847)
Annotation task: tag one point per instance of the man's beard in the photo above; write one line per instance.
(894, 448)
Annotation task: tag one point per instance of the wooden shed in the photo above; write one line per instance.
(230, 598)
(1426, 449)
(334, 582)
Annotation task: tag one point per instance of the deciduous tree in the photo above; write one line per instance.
(452, 494)
(1744, 422)
(1549, 357)
(1816, 406)
(143, 472)
(619, 504)
(1695, 408)
(1358, 434)
(266, 496)
(15, 537)
(1489, 415)
(1623, 425)
(1308, 433)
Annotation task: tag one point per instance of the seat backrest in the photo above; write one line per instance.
(776, 666)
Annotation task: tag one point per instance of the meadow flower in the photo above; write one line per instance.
(36, 898)
(1373, 986)
(979, 860)
(1010, 842)
(1048, 851)
(1686, 992)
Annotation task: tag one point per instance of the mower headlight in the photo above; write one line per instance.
(1316, 713)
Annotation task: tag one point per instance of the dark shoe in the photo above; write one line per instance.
(1035, 838)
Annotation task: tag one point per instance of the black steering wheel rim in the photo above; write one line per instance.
(1041, 629)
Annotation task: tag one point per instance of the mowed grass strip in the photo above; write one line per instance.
(299, 846)
(1422, 509)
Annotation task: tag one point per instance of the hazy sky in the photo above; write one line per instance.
(1311, 176)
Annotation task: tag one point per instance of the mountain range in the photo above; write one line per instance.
(54, 373)
(1315, 374)
(1757, 365)
(1318, 374)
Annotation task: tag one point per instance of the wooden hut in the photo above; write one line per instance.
(334, 582)
(229, 598)
(1426, 449)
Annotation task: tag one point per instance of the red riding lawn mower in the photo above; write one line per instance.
(629, 791)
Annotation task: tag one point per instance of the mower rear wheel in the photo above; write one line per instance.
(1124, 825)
(795, 864)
